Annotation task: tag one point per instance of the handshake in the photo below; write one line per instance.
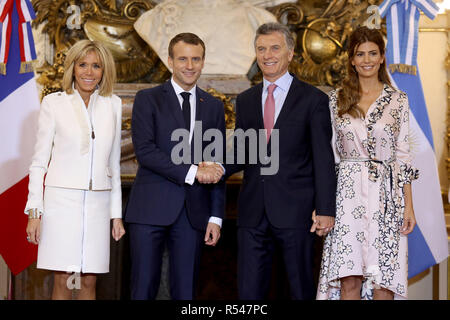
(209, 172)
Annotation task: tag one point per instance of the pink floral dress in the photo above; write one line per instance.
(372, 165)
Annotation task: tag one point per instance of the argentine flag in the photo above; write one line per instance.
(428, 243)
(19, 108)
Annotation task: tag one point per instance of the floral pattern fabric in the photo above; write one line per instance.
(373, 164)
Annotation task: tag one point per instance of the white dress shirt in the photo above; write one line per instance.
(279, 94)
(190, 177)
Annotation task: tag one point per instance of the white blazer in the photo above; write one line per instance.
(76, 149)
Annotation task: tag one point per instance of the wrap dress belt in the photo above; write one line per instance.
(389, 190)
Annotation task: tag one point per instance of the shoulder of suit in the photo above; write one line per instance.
(309, 87)
(251, 91)
(208, 98)
(115, 99)
(151, 91)
(55, 98)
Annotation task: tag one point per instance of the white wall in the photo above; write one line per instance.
(432, 55)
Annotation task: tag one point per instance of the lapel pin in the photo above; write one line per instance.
(201, 99)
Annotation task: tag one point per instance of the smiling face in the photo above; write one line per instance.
(367, 60)
(273, 55)
(88, 72)
(187, 64)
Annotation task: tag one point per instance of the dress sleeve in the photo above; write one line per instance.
(41, 157)
(114, 162)
(407, 172)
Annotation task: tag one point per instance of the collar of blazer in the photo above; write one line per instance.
(82, 118)
(174, 105)
(295, 92)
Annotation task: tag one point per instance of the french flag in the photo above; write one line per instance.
(19, 108)
(428, 243)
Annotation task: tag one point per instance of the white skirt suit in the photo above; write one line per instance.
(78, 153)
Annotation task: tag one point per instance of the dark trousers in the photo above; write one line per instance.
(147, 247)
(255, 255)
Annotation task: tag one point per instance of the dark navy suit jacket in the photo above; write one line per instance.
(306, 178)
(159, 190)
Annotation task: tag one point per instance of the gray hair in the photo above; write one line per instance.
(271, 27)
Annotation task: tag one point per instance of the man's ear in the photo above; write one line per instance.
(291, 55)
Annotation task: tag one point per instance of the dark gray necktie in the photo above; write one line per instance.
(186, 106)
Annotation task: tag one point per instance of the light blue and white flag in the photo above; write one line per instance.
(428, 243)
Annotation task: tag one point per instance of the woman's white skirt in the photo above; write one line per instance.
(75, 231)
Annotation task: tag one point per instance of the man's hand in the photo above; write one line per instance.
(209, 172)
(212, 234)
(321, 224)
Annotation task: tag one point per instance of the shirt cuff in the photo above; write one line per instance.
(190, 177)
(223, 168)
(216, 220)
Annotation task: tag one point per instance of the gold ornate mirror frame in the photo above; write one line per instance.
(320, 27)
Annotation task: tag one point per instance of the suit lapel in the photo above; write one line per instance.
(200, 101)
(200, 115)
(173, 104)
(258, 98)
(294, 93)
(82, 118)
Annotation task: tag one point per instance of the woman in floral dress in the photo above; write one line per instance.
(365, 255)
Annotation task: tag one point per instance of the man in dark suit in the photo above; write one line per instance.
(167, 205)
(278, 208)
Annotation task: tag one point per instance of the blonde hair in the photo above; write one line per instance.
(78, 51)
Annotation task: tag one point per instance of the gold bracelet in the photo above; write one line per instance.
(34, 214)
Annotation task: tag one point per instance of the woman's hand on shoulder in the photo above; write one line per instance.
(117, 230)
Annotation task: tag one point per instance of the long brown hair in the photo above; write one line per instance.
(350, 93)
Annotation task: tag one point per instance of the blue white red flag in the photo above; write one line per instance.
(19, 108)
(428, 243)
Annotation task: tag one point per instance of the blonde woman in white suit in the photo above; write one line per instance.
(77, 158)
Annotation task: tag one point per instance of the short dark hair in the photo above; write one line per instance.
(186, 37)
(271, 27)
